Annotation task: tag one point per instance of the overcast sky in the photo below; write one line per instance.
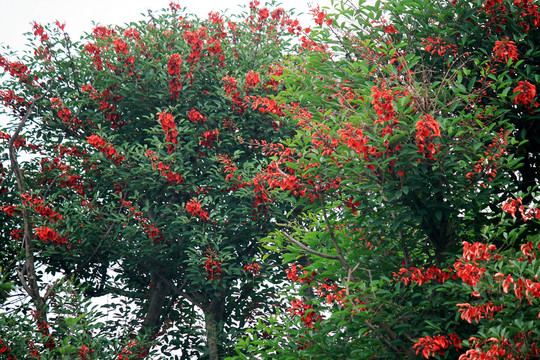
(17, 15)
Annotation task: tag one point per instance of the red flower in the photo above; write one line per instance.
(511, 206)
(46, 234)
(505, 50)
(174, 66)
(169, 129)
(526, 93)
(252, 80)
(212, 267)
(472, 313)
(107, 149)
(319, 17)
(195, 208)
(252, 269)
(209, 137)
(120, 47)
(195, 116)
(428, 345)
(427, 128)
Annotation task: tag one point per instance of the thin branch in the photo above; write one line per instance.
(31, 287)
(307, 249)
(340, 256)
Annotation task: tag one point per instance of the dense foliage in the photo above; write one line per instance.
(417, 135)
(250, 188)
(134, 135)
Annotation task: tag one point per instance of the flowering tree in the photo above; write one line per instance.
(415, 138)
(134, 136)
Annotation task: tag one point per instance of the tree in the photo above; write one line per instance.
(415, 132)
(134, 136)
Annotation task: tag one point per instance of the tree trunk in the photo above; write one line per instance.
(213, 315)
(153, 319)
(212, 337)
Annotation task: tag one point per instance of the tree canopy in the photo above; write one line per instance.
(246, 187)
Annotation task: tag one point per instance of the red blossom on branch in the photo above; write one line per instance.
(196, 116)
(252, 269)
(174, 67)
(212, 266)
(209, 137)
(505, 50)
(169, 129)
(525, 93)
(426, 129)
(194, 207)
(431, 345)
(46, 234)
(105, 148)
(252, 80)
(475, 313)
(306, 312)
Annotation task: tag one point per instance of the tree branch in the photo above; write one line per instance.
(307, 249)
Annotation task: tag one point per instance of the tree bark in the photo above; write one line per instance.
(211, 336)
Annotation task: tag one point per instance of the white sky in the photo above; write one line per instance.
(17, 15)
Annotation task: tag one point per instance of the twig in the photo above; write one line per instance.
(309, 250)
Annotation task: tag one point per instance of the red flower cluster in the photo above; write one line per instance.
(212, 266)
(195, 208)
(306, 312)
(505, 50)
(489, 161)
(40, 208)
(422, 276)
(427, 128)
(229, 84)
(252, 269)
(195, 116)
(383, 104)
(169, 129)
(102, 32)
(264, 104)
(5, 349)
(65, 114)
(16, 103)
(354, 137)
(120, 47)
(84, 352)
(174, 66)
(320, 16)
(148, 227)
(169, 175)
(472, 313)
(196, 40)
(46, 234)
(107, 149)
(252, 80)
(209, 137)
(16, 69)
(292, 274)
(523, 288)
(431, 345)
(525, 93)
(229, 166)
(230, 87)
(331, 293)
(467, 267)
(437, 45)
(493, 348)
(95, 53)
